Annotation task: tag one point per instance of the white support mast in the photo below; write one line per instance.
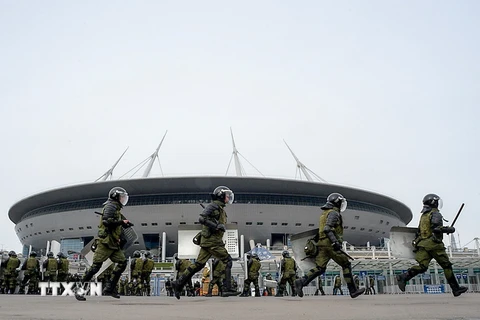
(109, 173)
(152, 158)
(238, 165)
(303, 168)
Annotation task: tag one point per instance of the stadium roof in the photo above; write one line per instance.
(196, 184)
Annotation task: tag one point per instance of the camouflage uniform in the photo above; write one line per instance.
(147, 269)
(136, 267)
(254, 267)
(429, 245)
(289, 273)
(10, 272)
(31, 266)
(218, 277)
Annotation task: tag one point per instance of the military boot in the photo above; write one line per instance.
(257, 292)
(279, 293)
(354, 291)
(246, 292)
(178, 285)
(111, 290)
(303, 281)
(210, 289)
(403, 278)
(456, 288)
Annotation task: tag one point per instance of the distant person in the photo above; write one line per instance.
(213, 220)
(289, 274)
(337, 286)
(330, 245)
(148, 265)
(218, 269)
(253, 267)
(31, 266)
(10, 272)
(320, 287)
(428, 245)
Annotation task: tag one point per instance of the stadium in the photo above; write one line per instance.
(264, 209)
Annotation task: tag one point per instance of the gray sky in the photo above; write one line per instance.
(373, 94)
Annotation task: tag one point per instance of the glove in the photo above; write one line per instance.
(221, 227)
(336, 246)
(448, 230)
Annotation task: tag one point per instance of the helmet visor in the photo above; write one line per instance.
(343, 206)
(123, 199)
(229, 197)
(440, 204)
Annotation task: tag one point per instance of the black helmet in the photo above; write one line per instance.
(12, 253)
(118, 194)
(148, 254)
(221, 193)
(33, 254)
(255, 256)
(50, 254)
(136, 254)
(61, 255)
(285, 253)
(338, 201)
(433, 201)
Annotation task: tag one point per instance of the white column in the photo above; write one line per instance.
(242, 246)
(268, 244)
(164, 246)
(252, 244)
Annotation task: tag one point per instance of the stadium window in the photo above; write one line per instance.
(388, 222)
(274, 223)
(377, 231)
(284, 223)
(48, 231)
(31, 235)
(298, 224)
(31, 224)
(35, 233)
(80, 228)
(89, 227)
(381, 221)
(41, 233)
(353, 228)
(345, 227)
(136, 242)
(26, 226)
(311, 225)
(183, 222)
(361, 229)
(71, 229)
(53, 231)
(248, 223)
(62, 230)
(144, 224)
(196, 222)
(233, 222)
(370, 230)
(259, 223)
(168, 223)
(383, 232)
(171, 241)
(357, 217)
(154, 224)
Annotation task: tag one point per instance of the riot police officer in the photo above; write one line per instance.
(253, 267)
(330, 236)
(429, 245)
(213, 218)
(147, 269)
(31, 266)
(63, 267)
(109, 244)
(10, 272)
(218, 272)
(136, 267)
(50, 267)
(289, 273)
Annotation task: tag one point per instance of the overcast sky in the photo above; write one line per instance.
(381, 95)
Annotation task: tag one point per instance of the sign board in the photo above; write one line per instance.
(434, 288)
(188, 250)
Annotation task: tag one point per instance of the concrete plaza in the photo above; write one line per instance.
(391, 307)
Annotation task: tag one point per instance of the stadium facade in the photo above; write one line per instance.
(264, 209)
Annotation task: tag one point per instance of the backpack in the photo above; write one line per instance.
(311, 248)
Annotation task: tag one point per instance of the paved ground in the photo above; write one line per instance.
(391, 307)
